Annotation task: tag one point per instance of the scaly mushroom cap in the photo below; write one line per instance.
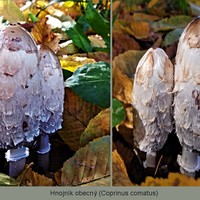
(20, 86)
(187, 87)
(52, 91)
(152, 100)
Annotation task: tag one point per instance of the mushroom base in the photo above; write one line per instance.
(150, 160)
(189, 162)
(16, 167)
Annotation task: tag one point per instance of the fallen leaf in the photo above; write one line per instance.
(123, 43)
(11, 11)
(139, 30)
(71, 63)
(76, 116)
(119, 173)
(118, 112)
(166, 24)
(32, 178)
(88, 163)
(127, 62)
(104, 181)
(92, 83)
(6, 180)
(172, 36)
(145, 17)
(43, 34)
(98, 126)
(98, 56)
(97, 41)
(157, 7)
(174, 179)
(66, 48)
(122, 86)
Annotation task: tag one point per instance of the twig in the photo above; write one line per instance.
(158, 165)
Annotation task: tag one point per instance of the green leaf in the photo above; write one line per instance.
(107, 50)
(118, 112)
(92, 83)
(6, 180)
(11, 12)
(66, 74)
(76, 34)
(166, 24)
(83, 22)
(100, 25)
(115, 16)
(172, 36)
(33, 17)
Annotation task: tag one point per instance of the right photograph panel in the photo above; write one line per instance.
(156, 93)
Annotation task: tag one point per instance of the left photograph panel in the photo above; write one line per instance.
(55, 93)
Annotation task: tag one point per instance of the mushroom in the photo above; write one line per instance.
(20, 94)
(52, 101)
(186, 98)
(152, 101)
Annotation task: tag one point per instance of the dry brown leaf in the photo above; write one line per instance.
(122, 86)
(98, 126)
(98, 56)
(32, 178)
(119, 173)
(42, 34)
(89, 163)
(123, 43)
(76, 116)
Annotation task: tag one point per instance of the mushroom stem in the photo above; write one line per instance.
(150, 159)
(43, 152)
(188, 162)
(17, 160)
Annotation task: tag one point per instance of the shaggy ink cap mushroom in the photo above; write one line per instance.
(20, 94)
(20, 87)
(152, 102)
(52, 91)
(186, 96)
(52, 101)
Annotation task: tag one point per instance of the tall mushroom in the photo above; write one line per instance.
(20, 94)
(186, 100)
(152, 100)
(52, 101)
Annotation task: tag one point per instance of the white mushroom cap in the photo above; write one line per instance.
(187, 87)
(52, 91)
(20, 86)
(152, 99)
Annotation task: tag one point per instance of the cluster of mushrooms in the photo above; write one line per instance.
(164, 94)
(31, 96)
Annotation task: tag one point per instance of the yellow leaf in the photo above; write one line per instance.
(71, 63)
(32, 178)
(97, 127)
(42, 34)
(89, 163)
(11, 12)
(119, 173)
(76, 116)
(174, 179)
